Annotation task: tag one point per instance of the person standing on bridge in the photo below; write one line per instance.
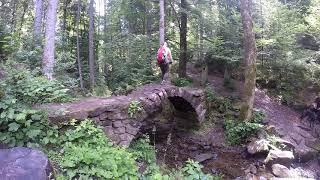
(164, 59)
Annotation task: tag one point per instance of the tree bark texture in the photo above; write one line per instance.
(37, 21)
(49, 47)
(91, 45)
(161, 24)
(183, 40)
(25, 6)
(249, 61)
(13, 15)
(78, 45)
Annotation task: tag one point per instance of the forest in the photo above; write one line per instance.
(83, 95)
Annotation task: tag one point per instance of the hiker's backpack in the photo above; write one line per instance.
(161, 56)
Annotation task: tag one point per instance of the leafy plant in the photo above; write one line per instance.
(29, 89)
(145, 153)
(22, 126)
(192, 171)
(88, 154)
(236, 132)
(134, 107)
(210, 94)
(214, 102)
(181, 82)
(143, 150)
(258, 116)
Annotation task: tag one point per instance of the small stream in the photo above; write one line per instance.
(178, 137)
(229, 161)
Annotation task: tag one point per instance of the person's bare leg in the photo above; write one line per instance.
(166, 74)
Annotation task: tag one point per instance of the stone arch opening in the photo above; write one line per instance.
(175, 115)
(185, 115)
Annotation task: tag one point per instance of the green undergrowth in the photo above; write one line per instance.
(134, 108)
(218, 106)
(86, 153)
(237, 131)
(226, 110)
(182, 82)
(23, 126)
(20, 124)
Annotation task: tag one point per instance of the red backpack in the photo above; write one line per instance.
(161, 56)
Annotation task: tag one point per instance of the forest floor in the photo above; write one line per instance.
(209, 147)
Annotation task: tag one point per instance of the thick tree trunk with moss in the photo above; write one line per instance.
(49, 47)
(249, 61)
(161, 24)
(183, 40)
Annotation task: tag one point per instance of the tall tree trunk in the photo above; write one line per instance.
(49, 47)
(183, 40)
(13, 20)
(204, 71)
(64, 20)
(161, 24)
(105, 18)
(25, 5)
(37, 22)
(78, 45)
(148, 31)
(249, 61)
(91, 45)
(105, 66)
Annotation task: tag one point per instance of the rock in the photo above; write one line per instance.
(24, 164)
(117, 124)
(96, 112)
(258, 146)
(131, 130)
(262, 134)
(204, 157)
(120, 130)
(262, 178)
(193, 148)
(251, 177)
(251, 169)
(305, 154)
(215, 171)
(307, 173)
(279, 157)
(280, 171)
(124, 143)
(106, 123)
(125, 139)
(108, 130)
(300, 178)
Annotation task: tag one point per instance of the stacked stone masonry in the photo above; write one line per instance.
(112, 113)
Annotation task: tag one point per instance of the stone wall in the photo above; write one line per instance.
(112, 113)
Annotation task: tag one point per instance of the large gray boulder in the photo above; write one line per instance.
(258, 146)
(24, 164)
(281, 171)
(279, 157)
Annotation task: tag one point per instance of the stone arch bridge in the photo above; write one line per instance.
(112, 113)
